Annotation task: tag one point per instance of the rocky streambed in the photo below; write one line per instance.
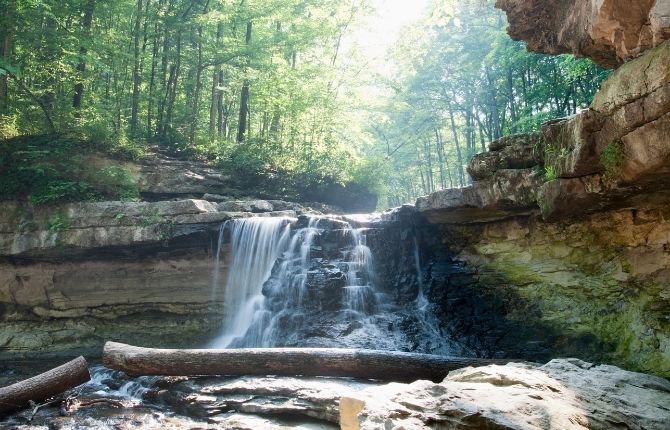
(561, 394)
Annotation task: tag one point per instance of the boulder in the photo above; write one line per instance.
(610, 32)
(513, 152)
(566, 393)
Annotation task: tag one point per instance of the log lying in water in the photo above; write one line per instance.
(365, 364)
(45, 385)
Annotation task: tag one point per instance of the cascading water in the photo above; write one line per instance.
(312, 282)
(275, 273)
(256, 245)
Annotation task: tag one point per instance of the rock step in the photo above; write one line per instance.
(27, 230)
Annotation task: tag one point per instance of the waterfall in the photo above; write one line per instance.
(255, 243)
(273, 277)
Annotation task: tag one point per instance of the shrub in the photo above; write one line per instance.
(611, 159)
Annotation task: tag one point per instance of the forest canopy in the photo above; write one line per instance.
(274, 85)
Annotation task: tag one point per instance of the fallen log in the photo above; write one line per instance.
(45, 385)
(365, 364)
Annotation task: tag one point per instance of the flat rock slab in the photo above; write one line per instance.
(563, 394)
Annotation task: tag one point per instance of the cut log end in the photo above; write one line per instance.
(363, 364)
(45, 385)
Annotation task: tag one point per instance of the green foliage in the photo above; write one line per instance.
(48, 169)
(181, 89)
(150, 216)
(8, 126)
(117, 181)
(58, 223)
(611, 159)
(550, 173)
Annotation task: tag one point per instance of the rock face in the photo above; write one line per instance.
(87, 229)
(561, 394)
(610, 32)
(68, 308)
(594, 288)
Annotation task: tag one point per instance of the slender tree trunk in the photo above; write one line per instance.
(214, 103)
(440, 158)
(512, 104)
(429, 155)
(423, 179)
(244, 98)
(173, 83)
(86, 23)
(154, 65)
(198, 81)
(136, 70)
(459, 156)
(165, 80)
(6, 48)
(495, 114)
(198, 87)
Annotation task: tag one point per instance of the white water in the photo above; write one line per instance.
(256, 243)
(359, 293)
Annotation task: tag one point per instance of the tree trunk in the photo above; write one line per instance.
(440, 158)
(45, 385)
(459, 156)
(6, 48)
(213, 107)
(173, 83)
(198, 87)
(495, 114)
(512, 104)
(198, 81)
(86, 23)
(429, 155)
(366, 364)
(152, 78)
(135, 106)
(244, 97)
